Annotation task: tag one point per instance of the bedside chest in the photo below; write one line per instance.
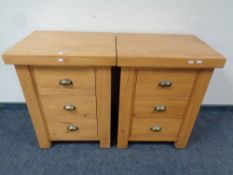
(66, 80)
(163, 81)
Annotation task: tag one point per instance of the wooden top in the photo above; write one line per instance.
(64, 48)
(155, 50)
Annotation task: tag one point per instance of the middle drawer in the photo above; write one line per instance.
(158, 107)
(69, 105)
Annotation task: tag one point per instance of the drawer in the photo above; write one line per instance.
(155, 129)
(68, 105)
(152, 107)
(74, 81)
(58, 128)
(156, 83)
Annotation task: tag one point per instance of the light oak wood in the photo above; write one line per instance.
(76, 49)
(162, 50)
(186, 61)
(144, 107)
(85, 59)
(57, 126)
(53, 105)
(141, 129)
(47, 79)
(127, 90)
(148, 83)
(193, 108)
(33, 105)
(103, 96)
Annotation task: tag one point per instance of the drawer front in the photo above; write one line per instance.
(152, 107)
(62, 111)
(67, 105)
(73, 81)
(155, 129)
(161, 83)
(63, 128)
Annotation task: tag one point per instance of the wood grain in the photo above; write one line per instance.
(33, 105)
(103, 96)
(57, 126)
(76, 48)
(47, 79)
(193, 108)
(164, 50)
(148, 83)
(127, 91)
(53, 105)
(144, 107)
(141, 129)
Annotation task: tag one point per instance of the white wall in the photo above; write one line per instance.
(211, 20)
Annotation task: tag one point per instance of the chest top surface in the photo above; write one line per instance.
(160, 50)
(72, 48)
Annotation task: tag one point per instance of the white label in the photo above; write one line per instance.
(190, 62)
(199, 61)
(60, 59)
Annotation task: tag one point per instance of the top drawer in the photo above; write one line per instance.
(72, 81)
(168, 83)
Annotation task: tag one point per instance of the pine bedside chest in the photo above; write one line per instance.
(163, 81)
(66, 80)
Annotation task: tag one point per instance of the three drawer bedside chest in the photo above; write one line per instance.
(66, 80)
(162, 84)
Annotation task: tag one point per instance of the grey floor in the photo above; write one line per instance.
(210, 150)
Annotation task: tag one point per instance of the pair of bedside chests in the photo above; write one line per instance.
(66, 80)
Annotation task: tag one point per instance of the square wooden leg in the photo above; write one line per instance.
(127, 88)
(33, 105)
(103, 94)
(195, 101)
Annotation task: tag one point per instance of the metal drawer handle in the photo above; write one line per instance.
(65, 82)
(72, 128)
(156, 128)
(165, 83)
(69, 107)
(160, 108)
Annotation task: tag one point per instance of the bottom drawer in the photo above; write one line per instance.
(155, 129)
(72, 128)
